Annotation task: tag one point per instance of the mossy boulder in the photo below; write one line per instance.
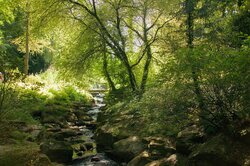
(105, 138)
(127, 149)
(55, 114)
(216, 151)
(57, 151)
(25, 154)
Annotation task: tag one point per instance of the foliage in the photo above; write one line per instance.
(172, 104)
(169, 63)
(7, 88)
(161, 110)
(35, 93)
(11, 55)
(224, 81)
(66, 96)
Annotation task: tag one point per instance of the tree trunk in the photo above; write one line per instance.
(148, 53)
(106, 73)
(146, 70)
(131, 75)
(190, 39)
(27, 50)
(111, 42)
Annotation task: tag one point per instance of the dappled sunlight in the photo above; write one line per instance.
(124, 82)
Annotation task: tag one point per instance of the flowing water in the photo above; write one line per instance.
(95, 158)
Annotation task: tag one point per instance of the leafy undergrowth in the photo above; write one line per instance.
(160, 112)
(23, 98)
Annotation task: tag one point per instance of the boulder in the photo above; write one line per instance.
(217, 151)
(159, 147)
(87, 146)
(188, 138)
(55, 114)
(104, 138)
(168, 161)
(83, 150)
(57, 151)
(65, 133)
(82, 116)
(71, 117)
(140, 160)
(127, 149)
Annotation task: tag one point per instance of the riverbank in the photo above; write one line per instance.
(122, 133)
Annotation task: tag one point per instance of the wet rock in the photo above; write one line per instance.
(79, 154)
(87, 146)
(82, 116)
(91, 125)
(95, 159)
(57, 151)
(127, 149)
(83, 150)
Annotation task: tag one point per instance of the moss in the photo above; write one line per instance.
(20, 155)
(19, 136)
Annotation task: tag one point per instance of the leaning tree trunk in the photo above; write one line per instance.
(106, 73)
(131, 75)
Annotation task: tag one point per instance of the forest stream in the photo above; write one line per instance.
(95, 158)
(175, 74)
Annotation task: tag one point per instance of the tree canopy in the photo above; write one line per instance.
(134, 45)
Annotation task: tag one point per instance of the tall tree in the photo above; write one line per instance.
(27, 40)
(189, 9)
(119, 31)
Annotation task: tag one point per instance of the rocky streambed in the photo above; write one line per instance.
(68, 136)
(74, 136)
